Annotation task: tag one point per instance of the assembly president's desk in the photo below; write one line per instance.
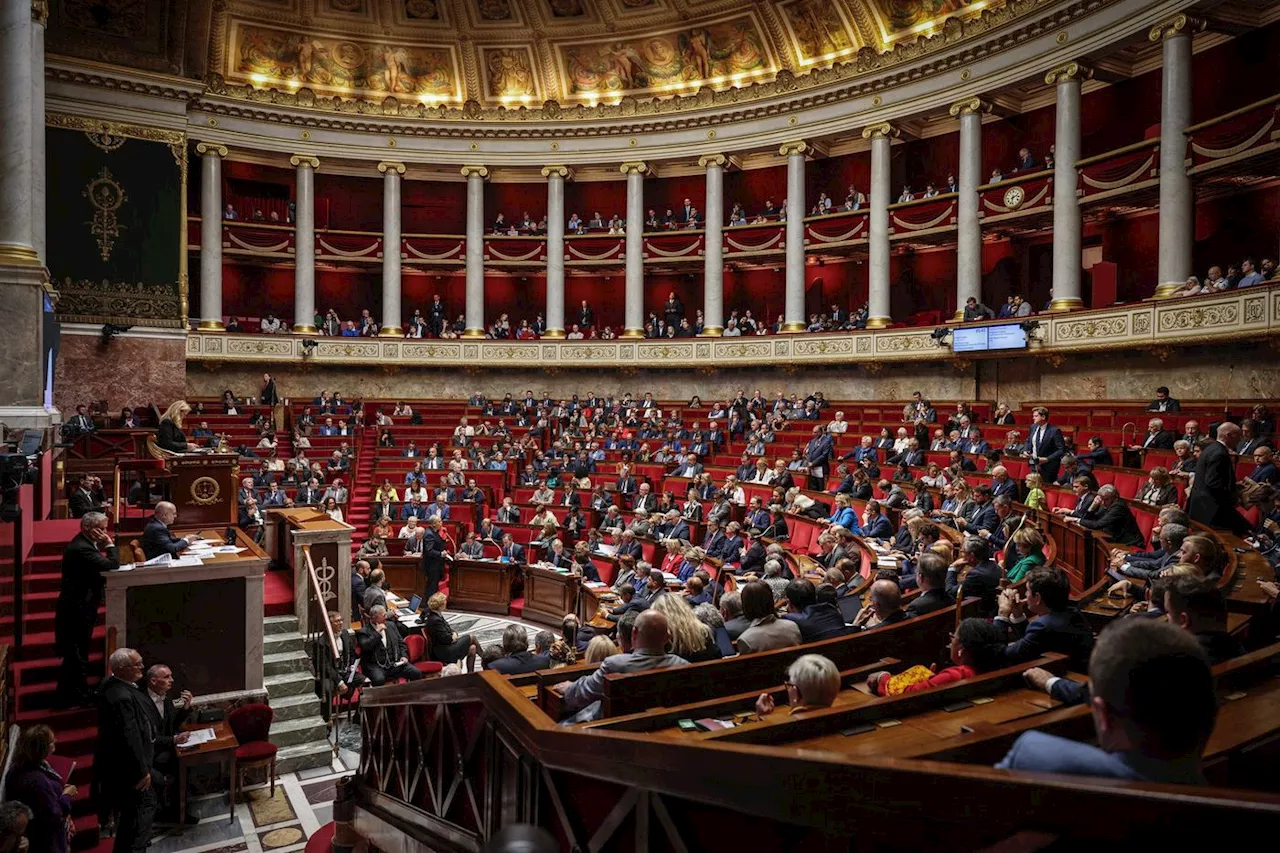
(204, 622)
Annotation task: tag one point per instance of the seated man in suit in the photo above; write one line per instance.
(984, 515)
(629, 603)
(817, 621)
(1163, 402)
(1055, 625)
(167, 718)
(931, 577)
(731, 611)
(1002, 483)
(1082, 486)
(156, 538)
(885, 607)
(1139, 670)
(512, 551)
(86, 497)
(649, 639)
(383, 654)
(517, 659)
(981, 578)
(1111, 517)
(1148, 567)
(1157, 437)
(347, 674)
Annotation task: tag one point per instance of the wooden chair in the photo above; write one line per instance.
(136, 555)
(251, 725)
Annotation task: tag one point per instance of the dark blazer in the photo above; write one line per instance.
(880, 528)
(984, 518)
(1115, 522)
(126, 741)
(170, 437)
(929, 601)
(1213, 500)
(157, 540)
(519, 663)
(166, 725)
(1051, 446)
(982, 581)
(735, 626)
(1162, 440)
(753, 560)
(81, 502)
(623, 609)
(1063, 631)
(819, 622)
(371, 648)
(433, 548)
(82, 582)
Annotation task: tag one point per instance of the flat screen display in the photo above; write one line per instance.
(983, 338)
(969, 339)
(1008, 336)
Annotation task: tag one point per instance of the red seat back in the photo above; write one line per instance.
(250, 723)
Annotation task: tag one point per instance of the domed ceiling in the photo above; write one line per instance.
(504, 53)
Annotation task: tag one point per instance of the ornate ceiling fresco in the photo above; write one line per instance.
(496, 55)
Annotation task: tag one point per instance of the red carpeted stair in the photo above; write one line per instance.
(362, 488)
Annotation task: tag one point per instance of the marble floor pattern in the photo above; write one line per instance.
(303, 801)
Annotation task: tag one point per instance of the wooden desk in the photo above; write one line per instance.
(217, 608)
(549, 595)
(220, 750)
(481, 585)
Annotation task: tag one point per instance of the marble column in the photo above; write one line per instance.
(793, 319)
(556, 176)
(878, 301)
(211, 155)
(475, 176)
(633, 327)
(968, 224)
(304, 244)
(1177, 203)
(39, 22)
(391, 287)
(713, 253)
(16, 134)
(1067, 225)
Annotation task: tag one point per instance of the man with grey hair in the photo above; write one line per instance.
(813, 681)
(90, 554)
(383, 654)
(1212, 500)
(14, 817)
(517, 659)
(1112, 518)
(731, 610)
(1171, 536)
(708, 615)
(773, 577)
(122, 784)
(156, 538)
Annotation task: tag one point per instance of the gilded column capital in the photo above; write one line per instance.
(305, 160)
(970, 105)
(558, 170)
(391, 166)
(798, 146)
(475, 171)
(40, 12)
(635, 167)
(712, 160)
(1072, 71)
(1178, 25)
(881, 129)
(211, 148)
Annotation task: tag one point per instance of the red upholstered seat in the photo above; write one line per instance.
(1104, 477)
(251, 722)
(417, 647)
(1146, 520)
(1128, 484)
(258, 750)
(428, 667)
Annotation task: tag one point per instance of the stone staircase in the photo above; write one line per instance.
(298, 729)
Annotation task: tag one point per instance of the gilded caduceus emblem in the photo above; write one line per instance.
(107, 197)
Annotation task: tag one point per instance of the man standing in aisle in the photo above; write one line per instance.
(122, 785)
(87, 557)
(816, 455)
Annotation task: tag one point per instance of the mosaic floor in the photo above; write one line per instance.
(303, 801)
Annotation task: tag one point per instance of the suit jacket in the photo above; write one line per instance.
(1063, 631)
(515, 552)
(1008, 487)
(126, 740)
(929, 601)
(1212, 500)
(680, 531)
(880, 528)
(372, 650)
(157, 540)
(819, 622)
(1046, 441)
(81, 502)
(519, 663)
(166, 725)
(982, 581)
(984, 518)
(590, 688)
(433, 548)
(645, 502)
(1046, 753)
(1115, 522)
(753, 560)
(1162, 440)
(83, 566)
(170, 437)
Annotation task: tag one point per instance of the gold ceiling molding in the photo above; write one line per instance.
(1072, 71)
(961, 39)
(391, 166)
(970, 105)
(98, 127)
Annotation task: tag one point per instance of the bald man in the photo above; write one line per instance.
(156, 538)
(886, 606)
(1213, 496)
(648, 639)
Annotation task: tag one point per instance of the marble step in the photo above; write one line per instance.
(291, 759)
(280, 625)
(295, 707)
(290, 683)
(297, 732)
(279, 664)
(277, 643)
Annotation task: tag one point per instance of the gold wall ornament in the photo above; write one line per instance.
(107, 197)
(563, 171)
(712, 160)
(636, 167)
(106, 141)
(211, 148)
(481, 171)
(305, 160)
(40, 12)
(881, 129)
(798, 146)
(1178, 25)
(391, 165)
(205, 491)
(969, 105)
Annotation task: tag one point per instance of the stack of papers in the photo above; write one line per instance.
(198, 737)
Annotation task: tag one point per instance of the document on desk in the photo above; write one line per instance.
(186, 561)
(198, 737)
(229, 549)
(162, 560)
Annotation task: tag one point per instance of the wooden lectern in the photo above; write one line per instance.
(549, 595)
(204, 485)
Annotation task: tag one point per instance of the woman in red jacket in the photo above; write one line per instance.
(975, 648)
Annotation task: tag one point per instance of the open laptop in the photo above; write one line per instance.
(415, 603)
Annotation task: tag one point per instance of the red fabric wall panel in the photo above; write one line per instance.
(834, 175)
(355, 204)
(762, 291)
(419, 288)
(433, 207)
(671, 192)
(349, 291)
(604, 292)
(1132, 244)
(752, 188)
(587, 197)
(512, 200)
(253, 290)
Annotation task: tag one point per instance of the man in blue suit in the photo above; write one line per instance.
(982, 575)
(984, 514)
(1045, 445)
(816, 621)
(816, 456)
(512, 550)
(1139, 670)
(1054, 625)
(1003, 484)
